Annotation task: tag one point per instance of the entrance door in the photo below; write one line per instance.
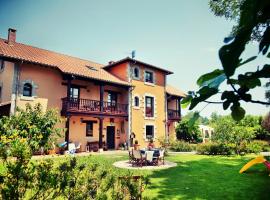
(111, 137)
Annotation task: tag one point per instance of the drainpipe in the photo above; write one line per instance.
(15, 87)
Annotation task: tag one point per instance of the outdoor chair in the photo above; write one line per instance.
(150, 157)
(130, 156)
(139, 160)
(78, 147)
(162, 155)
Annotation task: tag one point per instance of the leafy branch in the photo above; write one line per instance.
(250, 15)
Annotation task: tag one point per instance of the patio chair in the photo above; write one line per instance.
(139, 160)
(71, 148)
(149, 157)
(162, 155)
(130, 156)
(78, 147)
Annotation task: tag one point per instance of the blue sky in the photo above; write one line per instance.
(181, 36)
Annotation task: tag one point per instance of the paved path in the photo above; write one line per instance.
(115, 152)
(126, 165)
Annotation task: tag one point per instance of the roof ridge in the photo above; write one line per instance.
(82, 59)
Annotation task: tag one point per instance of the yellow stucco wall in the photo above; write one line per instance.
(139, 121)
(6, 81)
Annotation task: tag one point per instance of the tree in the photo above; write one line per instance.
(266, 122)
(267, 92)
(188, 133)
(252, 16)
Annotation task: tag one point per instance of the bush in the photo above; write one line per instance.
(215, 149)
(181, 146)
(257, 146)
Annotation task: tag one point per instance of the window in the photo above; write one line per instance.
(136, 102)
(1, 64)
(89, 129)
(149, 77)
(27, 90)
(136, 72)
(112, 99)
(74, 93)
(149, 131)
(149, 106)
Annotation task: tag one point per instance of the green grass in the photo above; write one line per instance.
(198, 177)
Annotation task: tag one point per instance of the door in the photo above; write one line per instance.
(111, 137)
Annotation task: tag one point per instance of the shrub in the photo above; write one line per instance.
(257, 146)
(181, 146)
(215, 149)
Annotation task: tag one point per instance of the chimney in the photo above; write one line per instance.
(11, 36)
(111, 62)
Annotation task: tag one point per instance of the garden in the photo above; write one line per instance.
(95, 177)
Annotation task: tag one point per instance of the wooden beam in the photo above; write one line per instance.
(75, 85)
(101, 97)
(67, 131)
(100, 144)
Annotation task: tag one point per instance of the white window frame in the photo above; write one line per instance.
(139, 73)
(153, 74)
(154, 133)
(133, 100)
(144, 106)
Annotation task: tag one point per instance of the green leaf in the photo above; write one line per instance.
(193, 119)
(249, 81)
(186, 101)
(209, 76)
(248, 60)
(226, 104)
(238, 112)
(204, 93)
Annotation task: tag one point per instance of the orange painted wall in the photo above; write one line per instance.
(120, 71)
(6, 81)
(50, 91)
(78, 131)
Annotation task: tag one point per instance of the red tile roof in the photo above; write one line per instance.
(174, 91)
(128, 59)
(66, 64)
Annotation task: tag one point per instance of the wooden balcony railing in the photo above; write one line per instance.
(75, 105)
(174, 114)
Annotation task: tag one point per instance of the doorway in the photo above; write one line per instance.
(111, 137)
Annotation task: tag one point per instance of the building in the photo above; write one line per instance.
(206, 132)
(102, 104)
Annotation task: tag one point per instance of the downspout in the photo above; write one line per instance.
(15, 87)
(130, 106)
(166, 112)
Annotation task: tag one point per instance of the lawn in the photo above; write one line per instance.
(197, 177)
(200, 177)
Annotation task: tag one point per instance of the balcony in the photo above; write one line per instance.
(174, 115)
(93, 107)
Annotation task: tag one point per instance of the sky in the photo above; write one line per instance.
(181, 36)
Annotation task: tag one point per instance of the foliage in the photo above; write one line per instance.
(37, 127)
(251, 16)
(181, 146)
(257, 146)
(266, 122)
(214, 148)
(31, 129)
(187, 132)
(238, 135)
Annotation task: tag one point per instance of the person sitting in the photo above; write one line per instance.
(136, 146)
(151, 144)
